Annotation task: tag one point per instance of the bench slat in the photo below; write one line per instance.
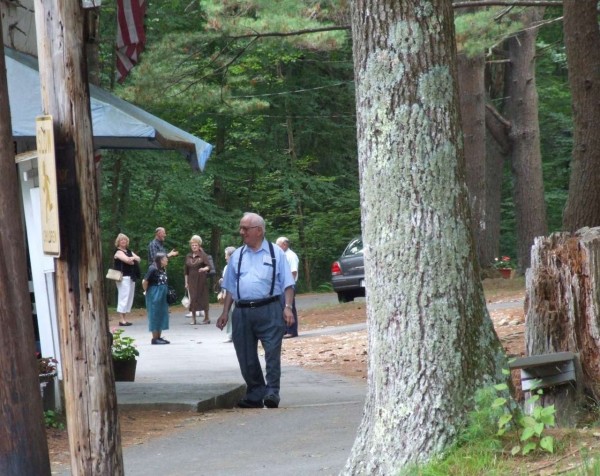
(547, 370)
(549, 381)
(541, 360)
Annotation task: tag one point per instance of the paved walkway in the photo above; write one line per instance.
(310, 434)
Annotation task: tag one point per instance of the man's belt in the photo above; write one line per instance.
(257, 303)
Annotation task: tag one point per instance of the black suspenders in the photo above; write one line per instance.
(273, 262)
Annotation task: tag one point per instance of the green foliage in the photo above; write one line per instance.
(280, 112)
(53, 420)
(123, 347)
(534, 425)
(478, 447)
(481, 442)
(556, 124)
(478, 32)
(531, 426)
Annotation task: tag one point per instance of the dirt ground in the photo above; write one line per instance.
(346, 354)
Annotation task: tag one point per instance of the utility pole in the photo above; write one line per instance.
(90, 397)
(23, 444)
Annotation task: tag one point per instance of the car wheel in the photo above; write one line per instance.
(345, 297)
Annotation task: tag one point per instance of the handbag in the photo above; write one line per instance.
(114, 274)
(185, 300)
(212, 272)
(171, 296)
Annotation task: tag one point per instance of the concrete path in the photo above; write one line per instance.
(310, 434)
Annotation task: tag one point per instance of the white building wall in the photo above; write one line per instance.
(42, 266)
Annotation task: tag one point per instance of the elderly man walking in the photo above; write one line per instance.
(260, 282)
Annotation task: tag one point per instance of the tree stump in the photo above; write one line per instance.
(563, 293)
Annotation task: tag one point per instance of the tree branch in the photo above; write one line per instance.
(498, 127)
(466, 4)
(293, 33)
(516, 3)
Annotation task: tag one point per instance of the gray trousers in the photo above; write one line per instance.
(264, 324)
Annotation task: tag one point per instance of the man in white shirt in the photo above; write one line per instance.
(293, 261)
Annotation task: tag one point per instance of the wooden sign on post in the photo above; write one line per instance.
(47, 177)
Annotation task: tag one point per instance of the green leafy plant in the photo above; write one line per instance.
(52, 420)
(123, 347)
(504, 263)
(531, 427)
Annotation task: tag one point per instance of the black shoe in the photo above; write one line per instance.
(271, 401)
(244, 403)
(159, 341)
(124, 323)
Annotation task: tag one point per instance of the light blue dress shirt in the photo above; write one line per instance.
(256, 273)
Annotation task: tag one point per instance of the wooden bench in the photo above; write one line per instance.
(547, 370)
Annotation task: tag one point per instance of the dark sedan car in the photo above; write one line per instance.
(348, 272)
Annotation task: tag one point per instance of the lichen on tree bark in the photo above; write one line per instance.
(431, 342)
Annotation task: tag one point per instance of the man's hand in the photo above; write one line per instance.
(222, 320)
(172, 253)
(288, 316)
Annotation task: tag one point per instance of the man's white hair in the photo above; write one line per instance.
(256, 220)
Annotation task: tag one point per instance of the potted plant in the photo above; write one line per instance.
(124, 353)
(505, 265)
(47, 376)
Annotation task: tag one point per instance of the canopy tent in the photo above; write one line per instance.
(116, 123)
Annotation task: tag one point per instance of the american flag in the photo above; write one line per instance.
(130, 35)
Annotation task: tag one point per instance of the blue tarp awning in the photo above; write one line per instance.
(116, 123)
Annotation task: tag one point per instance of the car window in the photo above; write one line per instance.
(354, 248)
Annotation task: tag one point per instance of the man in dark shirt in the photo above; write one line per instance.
(157, 245)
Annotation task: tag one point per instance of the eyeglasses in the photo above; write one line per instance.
(246, 228)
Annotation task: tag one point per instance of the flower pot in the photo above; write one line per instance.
(124, 370)
(47, 383)
(506, 273)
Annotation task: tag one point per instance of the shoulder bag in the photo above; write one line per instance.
(114, 274)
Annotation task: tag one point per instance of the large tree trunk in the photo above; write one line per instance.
(90, 396)
(472, 112)
(497, 151)
(562, 299)
(23, 446)
(489, 245)
(431, 341)
(582, 42)
(522, 109)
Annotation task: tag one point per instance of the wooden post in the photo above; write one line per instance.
(23, 445)
(90, 396)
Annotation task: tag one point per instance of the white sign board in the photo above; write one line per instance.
(47, 178)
